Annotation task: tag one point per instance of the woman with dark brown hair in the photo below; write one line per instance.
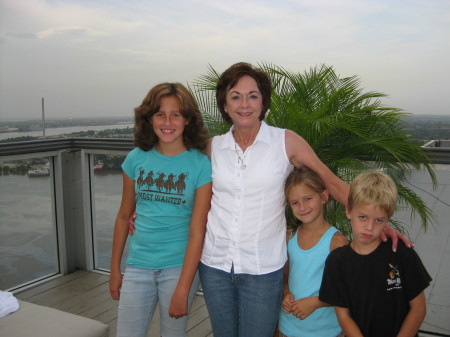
(241, 267)
(167, 180)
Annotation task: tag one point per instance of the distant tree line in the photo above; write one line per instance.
(420, 128)
(58, 123)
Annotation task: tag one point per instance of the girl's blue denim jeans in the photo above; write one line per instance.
(141, 290)
(242, 305)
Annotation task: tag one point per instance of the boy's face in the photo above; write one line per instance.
(368, 222)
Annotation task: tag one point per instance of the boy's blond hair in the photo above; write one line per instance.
(373, 188)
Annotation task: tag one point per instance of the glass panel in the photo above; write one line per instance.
(107, 195)
(28, 241)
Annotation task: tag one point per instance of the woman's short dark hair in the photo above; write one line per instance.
(195, 134)
(229, 79)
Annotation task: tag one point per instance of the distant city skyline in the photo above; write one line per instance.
(98, 58)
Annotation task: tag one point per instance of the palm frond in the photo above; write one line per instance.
(351, 130)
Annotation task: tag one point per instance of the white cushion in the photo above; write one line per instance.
(39, 321)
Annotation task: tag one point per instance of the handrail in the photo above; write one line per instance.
(437, 155)
(35, 146)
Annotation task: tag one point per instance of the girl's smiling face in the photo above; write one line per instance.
(168, 122)
(306, 203)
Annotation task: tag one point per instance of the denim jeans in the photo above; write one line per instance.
(241, 304)
(141, 290)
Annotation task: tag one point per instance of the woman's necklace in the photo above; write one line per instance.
(240, 159)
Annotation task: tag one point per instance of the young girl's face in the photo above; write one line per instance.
(168, 123)
(307, 204)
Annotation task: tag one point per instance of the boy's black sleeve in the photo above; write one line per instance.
(332, 289)
(415, 277)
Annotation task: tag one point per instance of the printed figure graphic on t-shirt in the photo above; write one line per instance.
(160, 184)
(180, 184)
(169, 185)
(140, 180)
(149, 179)
(394, 281)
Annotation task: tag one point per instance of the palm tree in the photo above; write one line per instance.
(350, 130)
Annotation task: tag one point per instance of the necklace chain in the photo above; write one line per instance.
(240, 159)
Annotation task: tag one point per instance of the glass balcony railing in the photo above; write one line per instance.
(58, 203)
(107, 192)
(28, 237)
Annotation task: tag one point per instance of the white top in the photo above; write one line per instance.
(246, 224)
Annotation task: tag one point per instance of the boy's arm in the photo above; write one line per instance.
(347, 323)
(415, 316)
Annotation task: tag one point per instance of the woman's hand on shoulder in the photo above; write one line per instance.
(395, 235)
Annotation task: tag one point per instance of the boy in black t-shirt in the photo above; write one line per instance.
(376, 292)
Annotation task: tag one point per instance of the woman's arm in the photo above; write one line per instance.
(347, 323)
(288, 297)
(197, 228)
(208, 148)
(300, 153)
(415, 316)
(120, 235)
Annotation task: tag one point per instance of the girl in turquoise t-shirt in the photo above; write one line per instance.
(303, 314)
(167, 181)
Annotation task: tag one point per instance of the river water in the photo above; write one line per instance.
(28, 248)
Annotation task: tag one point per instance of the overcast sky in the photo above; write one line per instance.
(100, 57)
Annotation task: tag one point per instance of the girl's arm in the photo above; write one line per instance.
(347, 323)
(120, 235)
(197, 228)
(300, 153)
(415, 316)
(304, 307)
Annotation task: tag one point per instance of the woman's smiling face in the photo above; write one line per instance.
(244, 103)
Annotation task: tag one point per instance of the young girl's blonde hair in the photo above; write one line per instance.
(304, 175)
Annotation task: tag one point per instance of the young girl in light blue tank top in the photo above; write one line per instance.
(303, 314)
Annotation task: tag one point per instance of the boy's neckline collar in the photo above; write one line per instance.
(371, 253)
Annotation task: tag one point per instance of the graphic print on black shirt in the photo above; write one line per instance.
(163, 187)
(393, 280)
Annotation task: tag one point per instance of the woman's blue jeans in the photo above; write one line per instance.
(141, 290)
(242, 305)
